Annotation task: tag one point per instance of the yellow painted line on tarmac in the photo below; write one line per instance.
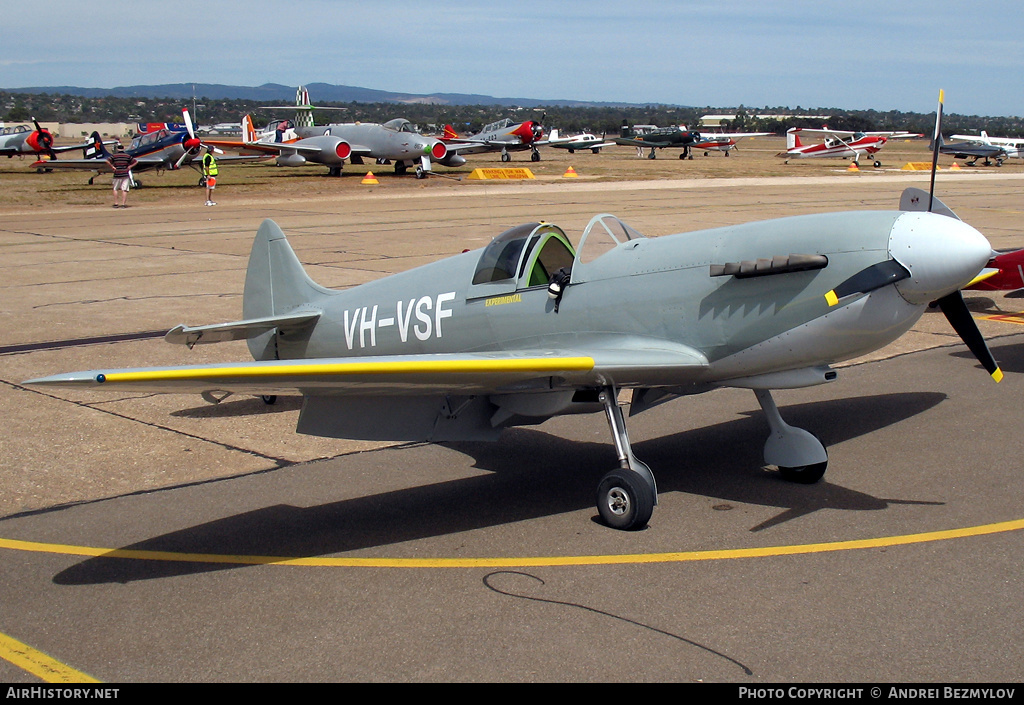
(39, 664)
(526, 561)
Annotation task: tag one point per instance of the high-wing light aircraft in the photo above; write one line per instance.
(580, 142)
(975, 147)
(160, 150)
(660, 138)
(502, 136)
(838, 144)
(530, 327)
(22, 139)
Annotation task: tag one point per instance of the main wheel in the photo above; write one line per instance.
(505, 157)
(625, 500)
(535, 157)
(804, 474)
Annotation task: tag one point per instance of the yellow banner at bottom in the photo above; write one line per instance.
(515, 173)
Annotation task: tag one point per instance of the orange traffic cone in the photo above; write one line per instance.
(853, 167)
(955, 166)
(370, 179)
(570, 173)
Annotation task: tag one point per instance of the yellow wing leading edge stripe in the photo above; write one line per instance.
(540, 364)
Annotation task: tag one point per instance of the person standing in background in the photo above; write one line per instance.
(122, 163)
(210, 174)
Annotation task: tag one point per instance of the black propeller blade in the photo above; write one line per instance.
(45, 139)
(963, 323)
(936, 144)
(868, 279)
(953, 305)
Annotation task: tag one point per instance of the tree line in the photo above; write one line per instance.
(21, 107)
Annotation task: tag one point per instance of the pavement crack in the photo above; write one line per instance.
(489, 582)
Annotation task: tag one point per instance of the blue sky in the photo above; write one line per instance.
(853, 55)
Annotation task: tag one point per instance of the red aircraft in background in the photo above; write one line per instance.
(22, 139)
(502, 136)
(1004, 272)
(838, 144)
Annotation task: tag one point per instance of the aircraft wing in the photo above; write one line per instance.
(98, 165)
(972, 149)
(649, 143)
(579, 145)
(407, 375)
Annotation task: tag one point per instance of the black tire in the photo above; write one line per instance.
(625, 500)
(269, 399)
(804, 474)
(505, 157)
(535, 157)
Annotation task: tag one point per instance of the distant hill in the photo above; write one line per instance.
(318, 92)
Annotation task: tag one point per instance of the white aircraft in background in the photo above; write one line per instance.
(582, 141)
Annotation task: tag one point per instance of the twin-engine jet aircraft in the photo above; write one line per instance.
(531, 327)
(396, 141)
(281, 139)
(838, 144)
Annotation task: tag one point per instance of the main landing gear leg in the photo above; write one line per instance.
(799, 456)
(626, 496)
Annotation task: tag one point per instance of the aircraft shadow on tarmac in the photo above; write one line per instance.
(242, 406)
(531, 474)
(1010, 357)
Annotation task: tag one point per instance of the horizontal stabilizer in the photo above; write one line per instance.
(238, 330)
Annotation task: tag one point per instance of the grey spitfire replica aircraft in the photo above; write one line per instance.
(528, 328)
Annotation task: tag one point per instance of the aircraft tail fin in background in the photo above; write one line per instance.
(95, 148)
(450, 133)
(793, 140)
(275, 284)
(248, 131)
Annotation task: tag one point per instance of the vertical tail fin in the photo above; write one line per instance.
(275, 284)
(248, 131)
(450, 133)
(793, 139)
(95, 148)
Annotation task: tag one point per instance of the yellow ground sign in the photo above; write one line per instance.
(917, 166)
(514, 173)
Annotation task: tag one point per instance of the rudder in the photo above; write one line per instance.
(275, 284)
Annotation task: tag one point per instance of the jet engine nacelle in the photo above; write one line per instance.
(333, 150)
(453, 159)
(439, 152)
